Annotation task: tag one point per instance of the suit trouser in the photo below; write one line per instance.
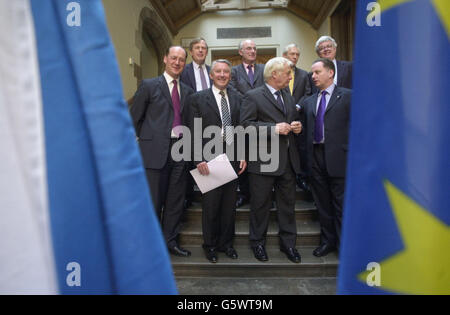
(218, 216)
(261, 201)
(167, 188)
(328, 193)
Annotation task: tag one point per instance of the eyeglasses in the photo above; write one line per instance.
(329, 46)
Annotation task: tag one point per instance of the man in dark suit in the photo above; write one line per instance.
(196, 76)
(326, 48)
(271, 110)
(196, 73)
(157, 114)
(245, 77)
(218, 106)
(300, 88)
(327, 126)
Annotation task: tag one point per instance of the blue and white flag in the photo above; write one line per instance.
(75, 211)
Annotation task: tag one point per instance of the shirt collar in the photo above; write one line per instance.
(169, 78)
(217, 91)
(196, 65)
(271, 89)
(330, 89)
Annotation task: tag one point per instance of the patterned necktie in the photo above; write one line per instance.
(280, 101)
(226, 119)
(318, 129)
(176, 109)
(251, 76)
(202, 78)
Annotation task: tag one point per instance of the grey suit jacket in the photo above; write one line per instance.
(336, 123)
(152, 114)
(261, 110)
(240, 80)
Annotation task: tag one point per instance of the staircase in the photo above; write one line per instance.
(246, 266)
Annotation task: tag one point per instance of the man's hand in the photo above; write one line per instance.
(283, 128)
(242, 166)
(203, 168)
(296, 127)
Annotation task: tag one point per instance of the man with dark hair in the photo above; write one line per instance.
(327, 115)
(218, 106)
(157, 113)
(196, 76)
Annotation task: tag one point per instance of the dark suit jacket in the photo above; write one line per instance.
(152, 114)
(188, 76)
(260, 109)
(302, 86)
(240, 80)
(344, 72)
(336, 122)
(204, 105)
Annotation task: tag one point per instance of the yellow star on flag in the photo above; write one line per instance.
(423, 266)
(442, 8)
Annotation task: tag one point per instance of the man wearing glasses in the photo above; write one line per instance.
(326, 48)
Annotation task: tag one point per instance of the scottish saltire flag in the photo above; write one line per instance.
(75, 211)
(396, 234)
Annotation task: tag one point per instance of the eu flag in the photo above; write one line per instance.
(396, 235)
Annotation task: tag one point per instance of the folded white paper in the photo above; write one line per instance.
(220, 173)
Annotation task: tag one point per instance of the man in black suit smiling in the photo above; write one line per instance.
(158, 113)
(327, 115)
(218, 106)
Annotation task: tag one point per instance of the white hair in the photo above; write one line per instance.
(288, 47)
(274, 65)
(325, 39)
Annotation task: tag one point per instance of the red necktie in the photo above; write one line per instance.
(176, 109)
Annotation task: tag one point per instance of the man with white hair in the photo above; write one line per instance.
(326, 48)
(271, 110)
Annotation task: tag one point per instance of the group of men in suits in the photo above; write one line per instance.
(311, 130)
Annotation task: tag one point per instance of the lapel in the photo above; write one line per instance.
(296, 79)
(234, 108)
(211, 102)
(258, 71)
(184, 90)
(334, 98)
(191, 75)
(165, 89)
(244, 74)
(271, 98)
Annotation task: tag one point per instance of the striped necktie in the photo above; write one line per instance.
(226, 119)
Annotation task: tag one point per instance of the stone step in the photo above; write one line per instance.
(299, 195)
(308, 233)
(304, 211)
(247, 266)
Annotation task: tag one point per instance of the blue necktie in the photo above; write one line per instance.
(318, 129)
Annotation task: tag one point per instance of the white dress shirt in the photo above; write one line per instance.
(218, 97)
(198, 80)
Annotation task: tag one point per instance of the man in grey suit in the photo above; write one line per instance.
(327, 116)
(271, 110)
(300, 88)
(158, 113)
(245, 77)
